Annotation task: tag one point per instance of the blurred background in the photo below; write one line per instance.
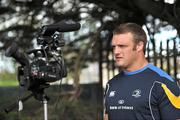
(87, 52)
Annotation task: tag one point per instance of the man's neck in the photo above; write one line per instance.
(136, 66)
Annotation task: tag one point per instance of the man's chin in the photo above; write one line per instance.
(120, 65)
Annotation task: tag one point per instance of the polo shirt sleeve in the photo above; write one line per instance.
(167, 96)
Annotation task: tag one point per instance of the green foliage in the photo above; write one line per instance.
(65, 110)
(74, 110)
(8, 79)
(62, 108)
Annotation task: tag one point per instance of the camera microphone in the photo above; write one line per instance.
(62, 26)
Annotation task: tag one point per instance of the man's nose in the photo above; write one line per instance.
(116, 50)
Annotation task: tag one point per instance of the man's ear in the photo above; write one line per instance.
(140, 46)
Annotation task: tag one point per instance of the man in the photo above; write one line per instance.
(141, 91)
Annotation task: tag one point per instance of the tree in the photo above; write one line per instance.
(21, 19)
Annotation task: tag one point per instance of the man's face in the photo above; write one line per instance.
(124, 50)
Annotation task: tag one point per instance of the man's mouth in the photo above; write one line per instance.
(118, 58)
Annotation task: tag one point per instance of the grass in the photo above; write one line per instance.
(58, 109)
(6, 83)
(8, 79)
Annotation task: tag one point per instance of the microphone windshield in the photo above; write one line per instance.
(62, 26)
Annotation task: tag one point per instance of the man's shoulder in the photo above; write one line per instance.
(116, 77)
(161, 76)
(159, 72)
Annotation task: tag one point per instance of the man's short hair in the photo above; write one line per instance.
(133, 28)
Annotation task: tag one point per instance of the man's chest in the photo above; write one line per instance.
(128, 97)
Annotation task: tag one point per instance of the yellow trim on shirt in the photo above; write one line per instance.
(175, 100)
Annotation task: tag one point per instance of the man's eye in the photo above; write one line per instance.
(121, 46)
(113, 46)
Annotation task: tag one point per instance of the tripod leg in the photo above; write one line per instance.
(17, 105)
(45, 109)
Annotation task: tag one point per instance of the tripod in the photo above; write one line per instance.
(38, 95)
(45, 109)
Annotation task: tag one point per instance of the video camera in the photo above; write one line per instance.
(39, 67)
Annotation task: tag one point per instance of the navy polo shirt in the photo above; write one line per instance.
(142, 95)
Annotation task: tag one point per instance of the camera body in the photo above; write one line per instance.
(39, 67)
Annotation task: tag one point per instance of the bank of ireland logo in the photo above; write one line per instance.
(112, 94)
(136, 93)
